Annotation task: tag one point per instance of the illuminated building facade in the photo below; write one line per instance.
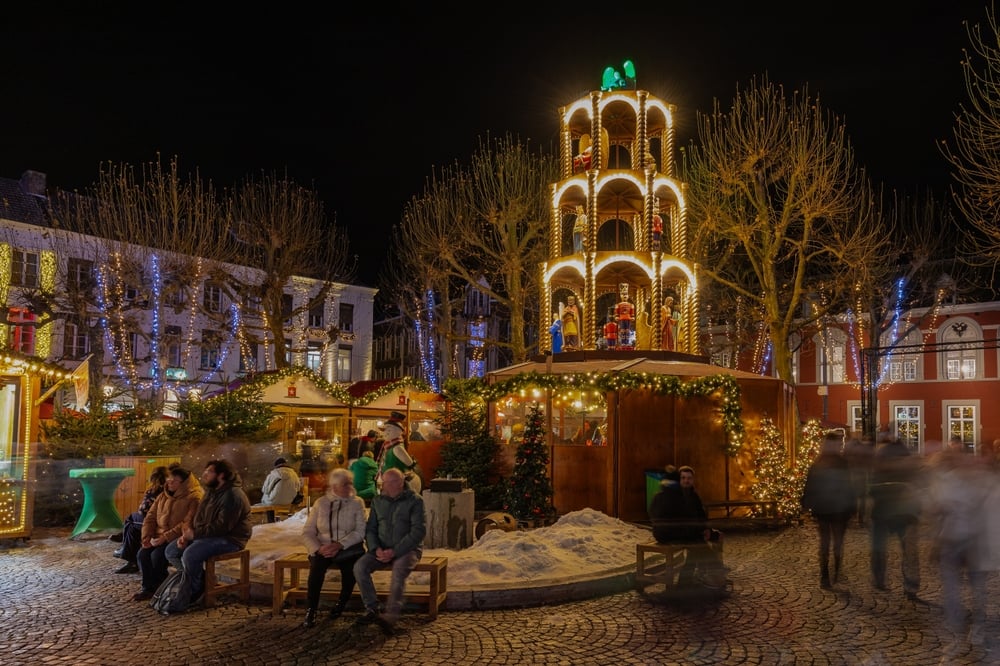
(159, 333)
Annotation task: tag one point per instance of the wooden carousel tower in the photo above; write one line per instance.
(617, 275)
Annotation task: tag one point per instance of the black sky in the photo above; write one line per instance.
(363, 109)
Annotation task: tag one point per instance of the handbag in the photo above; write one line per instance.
(351, 553)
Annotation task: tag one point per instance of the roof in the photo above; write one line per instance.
(659, 363)
(19, 205)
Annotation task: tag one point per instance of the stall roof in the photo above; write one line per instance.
(608, 362)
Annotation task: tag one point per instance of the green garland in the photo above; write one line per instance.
(337, 391)
(612, 382)
(606, 382)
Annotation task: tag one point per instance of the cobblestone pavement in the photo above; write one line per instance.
(60, 602)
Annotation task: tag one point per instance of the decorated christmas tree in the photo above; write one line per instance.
(529, 491)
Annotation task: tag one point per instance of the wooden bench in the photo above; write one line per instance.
(274, 511)
(661, 567)
(433, 594)
(214, 586)
(746, 509)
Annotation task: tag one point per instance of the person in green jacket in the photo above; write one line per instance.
(365, 469)
(395, 535)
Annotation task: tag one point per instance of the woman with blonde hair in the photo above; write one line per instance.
(334, 535)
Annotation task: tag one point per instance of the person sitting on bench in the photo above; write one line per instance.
(678, 516)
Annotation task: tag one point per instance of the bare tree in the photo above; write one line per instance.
(974, 157)
(481, 225)
(280, 228)
(783, 216)
(152, 233)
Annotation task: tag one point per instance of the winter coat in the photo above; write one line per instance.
(225, 513)
(678, 516)
(396, 522)
(169, 512)
(365, 470)
(828, 490)
(896, 482)
(334, 518)
(281, 486)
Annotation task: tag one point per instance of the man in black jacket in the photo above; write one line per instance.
(678, 516)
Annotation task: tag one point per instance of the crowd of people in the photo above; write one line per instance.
(890, 488)
(381, 525)
(892, 491)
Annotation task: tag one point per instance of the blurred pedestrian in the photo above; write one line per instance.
(959, 487)
(896, 506)
(860, 453)
(830, 496)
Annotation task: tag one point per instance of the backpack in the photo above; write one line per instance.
(173, 595)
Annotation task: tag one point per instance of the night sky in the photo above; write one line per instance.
(363, 109)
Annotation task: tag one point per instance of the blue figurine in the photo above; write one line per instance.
(555, 330)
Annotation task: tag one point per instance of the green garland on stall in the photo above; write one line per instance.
(337, 391)
(657, 384)
(607, 382)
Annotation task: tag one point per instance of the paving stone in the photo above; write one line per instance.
(62, 604)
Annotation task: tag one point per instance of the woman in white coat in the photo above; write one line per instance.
(334, 535)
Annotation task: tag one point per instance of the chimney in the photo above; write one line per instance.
(33, 182)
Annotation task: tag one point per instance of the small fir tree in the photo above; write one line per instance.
(529, 493)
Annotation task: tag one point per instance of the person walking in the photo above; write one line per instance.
(859, 452)
(959, 488)
(334, 535)
(829, 496)
(896, 506)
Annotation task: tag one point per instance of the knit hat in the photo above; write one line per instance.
(279, 462)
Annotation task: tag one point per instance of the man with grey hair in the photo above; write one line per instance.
(395, 535)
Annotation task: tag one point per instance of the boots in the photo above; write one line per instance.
(310, 620)
(119, 553)
(836, 569)
(337, 610)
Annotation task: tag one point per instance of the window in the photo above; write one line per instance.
(722, 357)
(213, 297)
(76, 342)
(248, 360)
(24, 269)
(125, 344)
(344, 363)
(854, 417)
(22, 330)
(210, 353)
(962, 349)
(831, 345)
(314, 357)
(346, 317)
(172, 336)
(903, 370)
(288, 351)
(316, 317)
(908, 423)
(287, 307)
(79, 275)
(961, 420)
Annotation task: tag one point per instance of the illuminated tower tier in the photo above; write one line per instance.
(634, 231)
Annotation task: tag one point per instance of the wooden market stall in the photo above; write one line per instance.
(374, 400)
(639, 428)
(22, 380)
